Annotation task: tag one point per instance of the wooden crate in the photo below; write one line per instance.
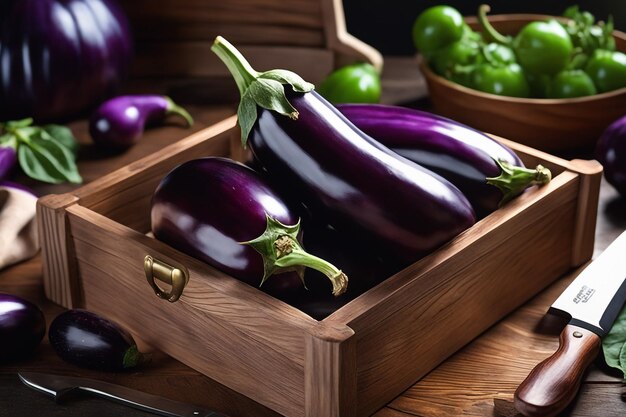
(173, 37)
(357, 359)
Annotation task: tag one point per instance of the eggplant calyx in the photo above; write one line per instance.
(513, 179)
(173, 108)
(133, 357)
(281, 252)
(264, 89)
(489, 30)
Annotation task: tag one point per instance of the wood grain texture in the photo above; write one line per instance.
(553, 383)
(330, 373)
(466, 384)
(60, 275)
(549, 124)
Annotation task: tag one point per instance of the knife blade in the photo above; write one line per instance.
(64, 387)
(591, 302)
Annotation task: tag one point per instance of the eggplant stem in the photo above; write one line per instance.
(297, 256)
(514, 179)
(237, 64)
(281, 252)
(173, 108)
(489, 29)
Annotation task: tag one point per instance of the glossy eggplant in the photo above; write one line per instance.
(120, 122)
(22, 326)
(8, 160)
(611, 153)
(486, 171)
(338, 171)
(88, 340)
(60, 57)
(223, 213)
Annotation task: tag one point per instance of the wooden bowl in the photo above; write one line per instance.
(556, 125)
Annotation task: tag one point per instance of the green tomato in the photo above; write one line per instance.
(499, 54)
(508, 80)
(607, 70)
(460, 53)
(437, 27)
(571, 83)
(543, 47)
(356, 83)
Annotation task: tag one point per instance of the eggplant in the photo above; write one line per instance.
(339, 172)
(225, 214)
(88, 340)
(119, 122)
(611, 153)
(8, 160)
(486, 171)
(60, 57)
(22, 326)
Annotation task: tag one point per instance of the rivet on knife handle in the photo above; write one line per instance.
(553, 383)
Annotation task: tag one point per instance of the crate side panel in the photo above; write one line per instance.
(455, 301)
(221, 327)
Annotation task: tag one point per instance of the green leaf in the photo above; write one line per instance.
(288, 77)
(16, 124)
(613, 344)
(47, 160)
(8, 140)
(62, 135)
(246, 115)
(270, 95)
(37, 166)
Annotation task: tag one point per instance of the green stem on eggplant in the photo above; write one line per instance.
(173, 108)
(489, 30)
(513, 179)
(264, 89)
(281, 252)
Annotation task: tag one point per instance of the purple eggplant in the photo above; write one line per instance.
(223, 213)
(119, 122)
(338, 171)
(8, 160)
(22, 326)
(611, 153)
(88, 340)
(487, 172)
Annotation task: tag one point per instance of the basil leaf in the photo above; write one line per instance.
(61, 135)
(16, 124)
(613, 344)
(47, 160)
(37, 166)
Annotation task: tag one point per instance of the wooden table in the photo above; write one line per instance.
(477, 381)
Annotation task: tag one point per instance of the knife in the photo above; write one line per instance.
(63, 387)
(592, 302)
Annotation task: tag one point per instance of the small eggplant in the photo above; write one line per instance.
(119, 122)
(486, 171)
(8, 160)
(88, 340)
(337, 171)
(209, 207)
(611, 153)
(22, 326)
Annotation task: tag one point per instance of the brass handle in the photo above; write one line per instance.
(165, 273)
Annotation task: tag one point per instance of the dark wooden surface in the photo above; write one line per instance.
(478, 381)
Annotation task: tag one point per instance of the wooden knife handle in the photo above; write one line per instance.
(553, 383)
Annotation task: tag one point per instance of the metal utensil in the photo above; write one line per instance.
(63, 387)
(592, 302)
